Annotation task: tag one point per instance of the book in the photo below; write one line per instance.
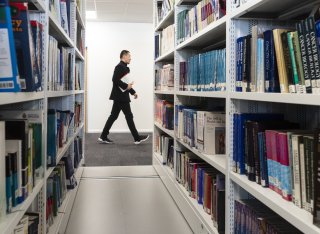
(3, 196)
(30, 79)
(282, 61)
(13, 149)
(9, 75)
(37, 31)
(214, 133)
(316, 176)
(304, 56)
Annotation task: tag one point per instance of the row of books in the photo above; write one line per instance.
(204, 72)
(21, 157)
(282, 60)
(164, 113)
(203, 130)
(164, 146)
(22, 48)
(193, 20)
(278, 155)
(164, 77)
(58, 126)
(60, 10)
(163, 8)
(164, 41)
(204, 183)
(56, 191)
(29, 224)
(78, 76)
(59, 66)
(251, 216)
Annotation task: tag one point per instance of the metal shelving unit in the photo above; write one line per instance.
(41, 101)
(224, 32)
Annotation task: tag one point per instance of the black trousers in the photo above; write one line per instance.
(126, 109)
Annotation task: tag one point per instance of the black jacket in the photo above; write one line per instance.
(116, 94)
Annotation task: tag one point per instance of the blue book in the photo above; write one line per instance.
(272, 84)
(15, 186)
(9, 77)
(242, 119)
(263, 159)
(25, 50)
(8, 183)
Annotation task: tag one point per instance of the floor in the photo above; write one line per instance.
(124, 200)
(122, 153)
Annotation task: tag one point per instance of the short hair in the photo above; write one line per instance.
(123, 53)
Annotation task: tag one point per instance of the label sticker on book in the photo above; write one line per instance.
(5, 56)
(292, 88)
(6, 85)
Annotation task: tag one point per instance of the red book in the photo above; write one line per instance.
(270, 162)
(285, 178)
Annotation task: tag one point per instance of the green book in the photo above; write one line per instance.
(297, 52)
(293, 59)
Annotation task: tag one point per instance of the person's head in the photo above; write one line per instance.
(125, 56)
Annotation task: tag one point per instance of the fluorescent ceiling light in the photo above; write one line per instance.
(91, 14)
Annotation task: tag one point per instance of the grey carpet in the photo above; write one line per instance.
(122, 153)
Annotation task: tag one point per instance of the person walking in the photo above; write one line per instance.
(122, 87)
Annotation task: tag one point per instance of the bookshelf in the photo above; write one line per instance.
(296, 107)
(43, 100)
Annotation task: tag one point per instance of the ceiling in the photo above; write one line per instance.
(135, 11)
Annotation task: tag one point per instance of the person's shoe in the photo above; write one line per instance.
(105, 141)
(142, 139)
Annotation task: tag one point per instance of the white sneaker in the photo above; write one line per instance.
(105, 141)
(142, 139)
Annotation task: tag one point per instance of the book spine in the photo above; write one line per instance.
(296, 171)
(315, 55)
(304, 56)
(285, 168)
(300, 87)
(267, 59)
(256, 158)
(316, 176)
(293, 64)
(303, 172)
(307, 171)
(312, 70)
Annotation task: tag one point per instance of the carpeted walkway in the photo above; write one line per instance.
(123, 153)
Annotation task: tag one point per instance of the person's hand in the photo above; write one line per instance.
(135, 96)
(130, 85)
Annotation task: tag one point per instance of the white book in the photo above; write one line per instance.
(126, 79)
(214, 133)
(296, 171)
(64, 16)
(15, 146)
(30, 160)
(200, 130)
(303, 176)
(3, 203)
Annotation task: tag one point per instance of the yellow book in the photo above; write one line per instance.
(283, 76)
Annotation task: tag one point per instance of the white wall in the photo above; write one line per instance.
(105, 42)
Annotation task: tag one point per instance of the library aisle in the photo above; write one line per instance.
(121, 200)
